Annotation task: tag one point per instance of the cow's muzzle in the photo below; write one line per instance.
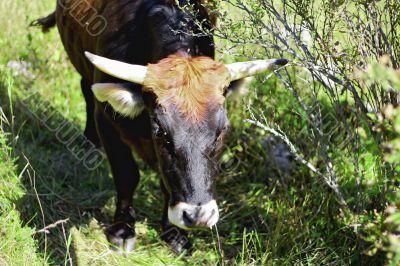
(189, 216)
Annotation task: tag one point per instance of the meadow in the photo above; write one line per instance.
(309, 175)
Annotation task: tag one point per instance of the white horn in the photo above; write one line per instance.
(128, 72)
(246, 69)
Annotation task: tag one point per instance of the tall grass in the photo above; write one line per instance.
(17, 246)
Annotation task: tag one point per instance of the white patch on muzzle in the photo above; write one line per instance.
(187, 216)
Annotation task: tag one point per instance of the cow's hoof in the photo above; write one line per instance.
(122, 237)
(177, 240)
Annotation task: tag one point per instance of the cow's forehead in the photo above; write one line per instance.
(173, 122)
(195, 86)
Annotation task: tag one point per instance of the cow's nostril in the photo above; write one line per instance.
(189, 216)
(187, 219)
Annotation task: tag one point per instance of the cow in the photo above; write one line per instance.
(152, 86)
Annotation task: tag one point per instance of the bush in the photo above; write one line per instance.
(335, 107)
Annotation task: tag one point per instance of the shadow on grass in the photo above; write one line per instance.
(67, 185)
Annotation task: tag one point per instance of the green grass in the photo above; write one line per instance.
(17, 246)
(268, 217)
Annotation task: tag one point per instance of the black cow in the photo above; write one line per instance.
(165, 102)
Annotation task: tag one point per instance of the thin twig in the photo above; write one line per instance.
(50, 226)
(331, 183)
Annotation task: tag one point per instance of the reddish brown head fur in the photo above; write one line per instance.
(194, 85)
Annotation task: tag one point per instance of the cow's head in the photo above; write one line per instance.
(189, 122)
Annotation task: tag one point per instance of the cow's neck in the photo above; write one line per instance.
(175, 30)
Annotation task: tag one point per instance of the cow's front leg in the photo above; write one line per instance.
(174, 236)
(90, 128)
(121, 234)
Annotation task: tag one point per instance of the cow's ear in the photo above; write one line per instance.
(238, 88)
(122, 97)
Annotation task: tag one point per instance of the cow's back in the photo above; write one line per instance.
(112, 28)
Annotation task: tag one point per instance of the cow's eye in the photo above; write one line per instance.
(159, 132)
(170, 146)
(168, 143)
(165, 139)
